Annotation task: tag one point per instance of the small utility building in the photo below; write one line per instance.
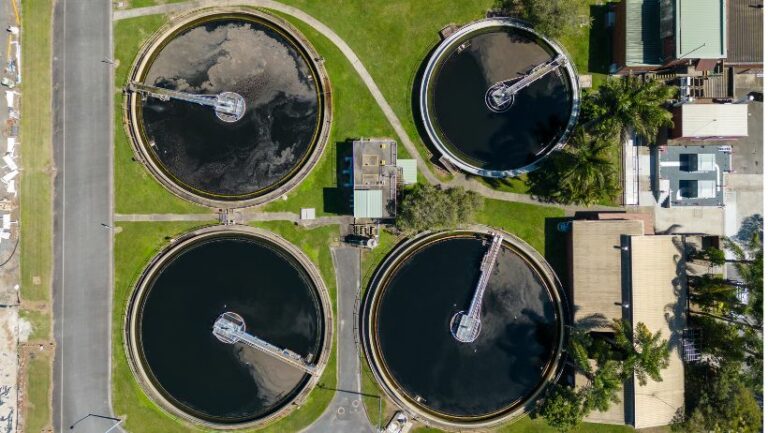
(693, 175)
(619, 272)
(376, 176)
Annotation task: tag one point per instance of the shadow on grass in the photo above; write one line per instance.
(600, 40)
(556, 245)
(337, 200)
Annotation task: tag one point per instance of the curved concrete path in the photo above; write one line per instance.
(459, 180)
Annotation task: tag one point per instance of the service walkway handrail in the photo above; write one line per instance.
(229, 106)
(500, 95)
(229, 328)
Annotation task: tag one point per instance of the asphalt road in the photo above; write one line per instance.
(345, 414)
(82, 283)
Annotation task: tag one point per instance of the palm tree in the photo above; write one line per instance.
(628, 103)
(645, 354)
(583, 173)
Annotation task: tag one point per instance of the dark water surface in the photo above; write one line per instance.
(518, 336)
(217, 381)
(499, 141)
(255, 153)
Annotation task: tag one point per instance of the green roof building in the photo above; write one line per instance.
(368, 203)
(700, 29)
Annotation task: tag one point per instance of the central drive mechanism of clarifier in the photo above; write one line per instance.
(501, 95)
(228, 106)
(465, 325)
(230, 328)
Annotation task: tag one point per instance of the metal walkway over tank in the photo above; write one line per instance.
(229, 106)
(465, 326)
(501, 95)
(230, 328)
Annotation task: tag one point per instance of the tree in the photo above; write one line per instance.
(721, 403)
(583, 173)
(621, 104)
(713, 294)
(645, 354)
(554, 18)
(604, 385)
(428, 207)
(563, 409)
(750, 267)
(715, 255)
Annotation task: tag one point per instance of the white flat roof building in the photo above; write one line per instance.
(710, 121)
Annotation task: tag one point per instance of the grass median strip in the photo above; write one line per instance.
(37, 403)
(35, 193)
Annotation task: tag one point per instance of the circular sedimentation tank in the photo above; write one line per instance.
(228, 108)
(411, 304)
(252, 279)
(469, 118)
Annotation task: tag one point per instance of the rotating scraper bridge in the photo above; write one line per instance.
(230, 328)
(501, 95)
(465, 326)
(229, 106)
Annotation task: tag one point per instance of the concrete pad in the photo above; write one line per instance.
(707, 220)
(743, 198)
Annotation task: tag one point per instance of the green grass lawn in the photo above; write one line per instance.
(41, 324)
(36, 202)
(135, 245)
(37, 416)
(526, 221)
(355, 115)
(35, 192)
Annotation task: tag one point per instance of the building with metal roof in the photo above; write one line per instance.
(617, 272)
(368, 203)
(374, 178)
(710, 121)
(661, 34)
(408, 171)
(700, 29)
(658, 300)
(637, 43)
(745, 34)
(596, 277)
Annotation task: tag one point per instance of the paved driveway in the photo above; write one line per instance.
(82, 285)
(345, 414)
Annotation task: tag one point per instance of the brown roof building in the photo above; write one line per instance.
(745, 34)
(618, 272)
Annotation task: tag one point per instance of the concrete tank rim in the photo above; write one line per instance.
(132, 116)
(131, 345)
(429, 72)
(390, 387)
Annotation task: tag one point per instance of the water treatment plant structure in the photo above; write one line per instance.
(496, 97)
(229, 327)
(483, 379)
(228, 107)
